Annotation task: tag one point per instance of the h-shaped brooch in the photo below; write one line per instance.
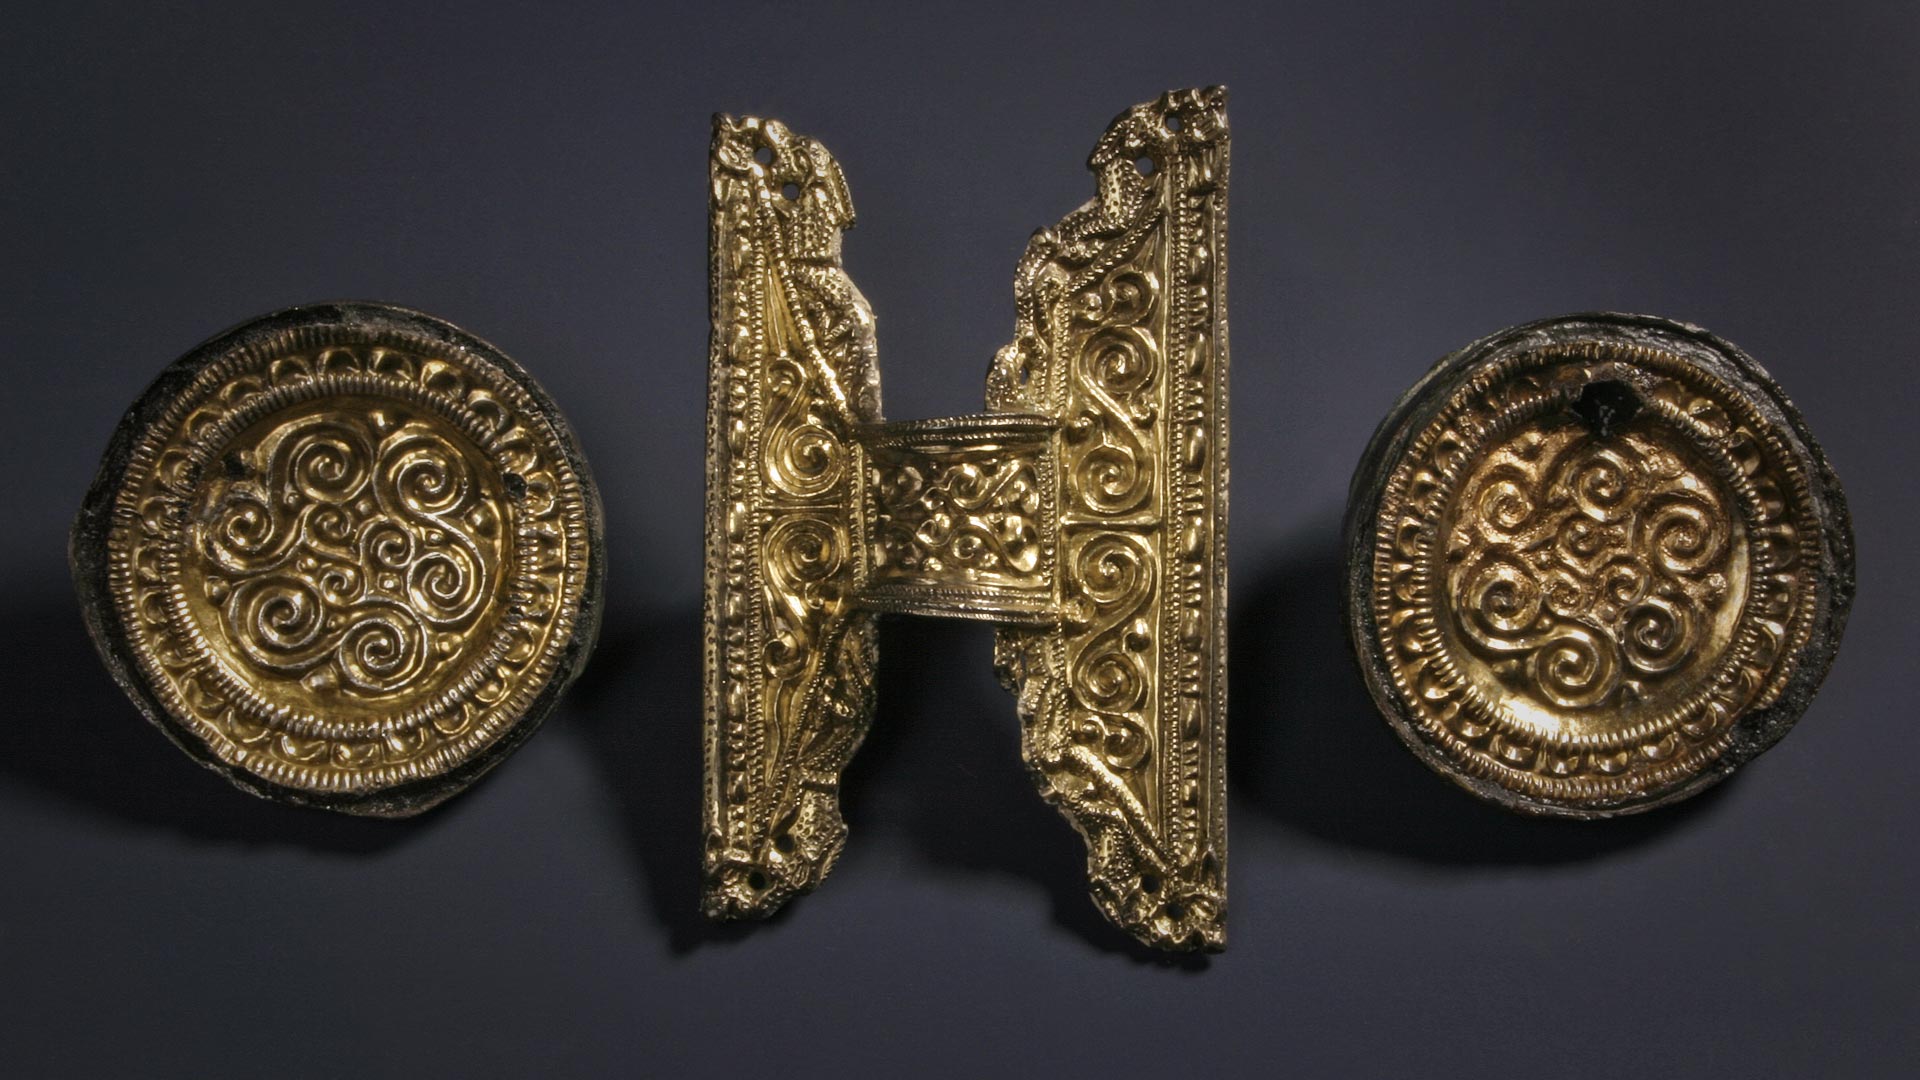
(1084, 513)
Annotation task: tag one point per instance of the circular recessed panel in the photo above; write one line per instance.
(347, 554)
(1596, 563)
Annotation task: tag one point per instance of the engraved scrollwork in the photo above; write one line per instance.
(370, 548)
(804, 457)
(1657, 634)
(349, 553)
(1581, 603)
(1085, 513)
(1116, 368)
(1123, 298)
(1500, 602)
(788, 667)
(1576, 668)
(1121, 329)
(1686, 535)
(1588, 567)
(1108, 675)
(802, 557)
(981, 518)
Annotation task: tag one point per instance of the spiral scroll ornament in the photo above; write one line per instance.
(982, 519)
(1589, 561)
(357, 559)
(1121, 331)
(347, 557)
(1590, 574)
(1083, 513)
(789, 658)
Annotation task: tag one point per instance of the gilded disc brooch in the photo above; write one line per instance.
(1595, 564)
(347, 555)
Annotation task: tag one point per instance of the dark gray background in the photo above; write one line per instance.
(1405, 179)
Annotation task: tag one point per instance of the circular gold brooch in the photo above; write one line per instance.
(347, 555)
(1595, 564)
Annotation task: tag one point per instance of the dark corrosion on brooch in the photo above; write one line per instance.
(346, 555)
(1084, 513)
(1595, 564)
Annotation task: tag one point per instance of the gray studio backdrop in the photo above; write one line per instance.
(1406, 179)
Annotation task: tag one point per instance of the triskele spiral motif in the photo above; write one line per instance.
(1595, 565)
(342, 549)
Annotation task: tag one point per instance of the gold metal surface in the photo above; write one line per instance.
(1085, 512)
(1593, 557)
(345, 552)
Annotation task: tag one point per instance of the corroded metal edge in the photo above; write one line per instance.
(88, 555)
(1755, 731)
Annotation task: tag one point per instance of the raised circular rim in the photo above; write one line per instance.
(91, 559)
(1754, 730)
